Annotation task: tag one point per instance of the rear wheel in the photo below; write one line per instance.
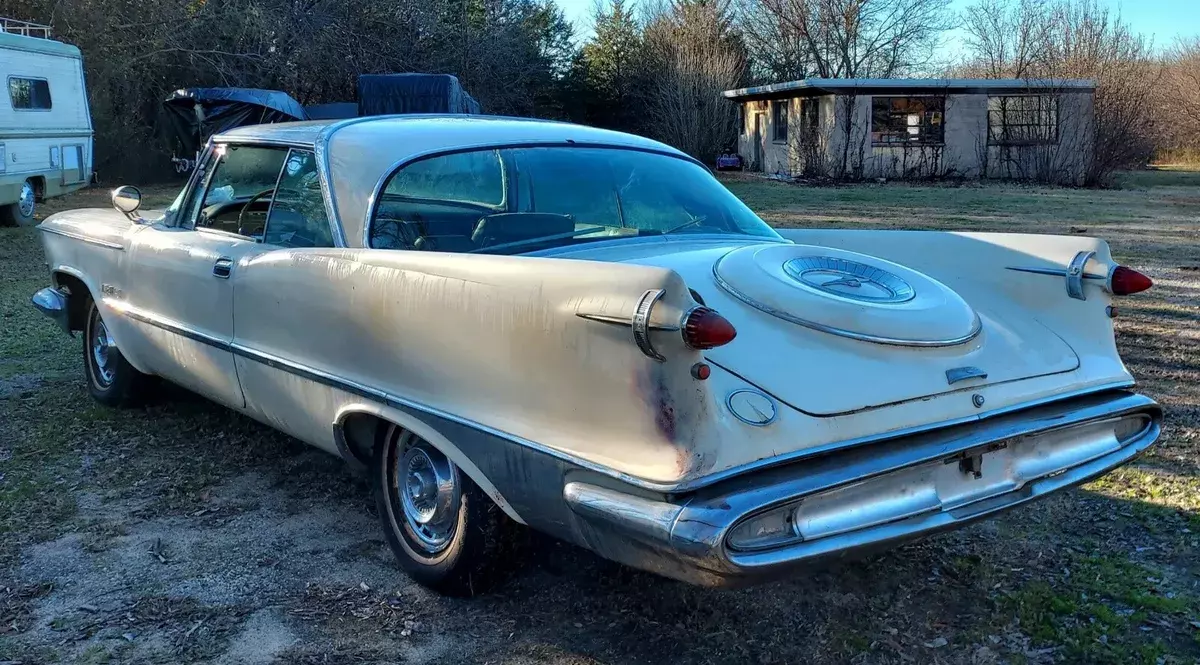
(21, 212)
(111, 379)
(445, 532)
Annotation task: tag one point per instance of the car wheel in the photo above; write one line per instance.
(21, 212)
(111, 379)
(445, 532)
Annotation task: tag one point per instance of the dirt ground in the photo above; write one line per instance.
(183, 533)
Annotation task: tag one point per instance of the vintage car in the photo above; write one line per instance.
(515, 321)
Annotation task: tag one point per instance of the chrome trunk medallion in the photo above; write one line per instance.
(849, 279)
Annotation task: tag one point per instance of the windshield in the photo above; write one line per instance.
(516, 200)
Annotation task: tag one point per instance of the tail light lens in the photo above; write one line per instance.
(704, 328)
(1125, 281)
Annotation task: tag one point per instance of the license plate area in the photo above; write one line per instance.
(954, 483)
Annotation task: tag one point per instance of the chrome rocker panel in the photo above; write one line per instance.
(686, 537)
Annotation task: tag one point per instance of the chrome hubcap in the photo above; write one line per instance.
(429, 494)
(102, 345)
(26, 202)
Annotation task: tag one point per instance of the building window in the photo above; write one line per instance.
(907, 120)
(741, 119)
(779, 111)
(810, 119)
(28, 94)
(1023, 120)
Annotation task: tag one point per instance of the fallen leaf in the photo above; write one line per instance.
(937, 643)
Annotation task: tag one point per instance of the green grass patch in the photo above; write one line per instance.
(1097, 612)
(1162, 500)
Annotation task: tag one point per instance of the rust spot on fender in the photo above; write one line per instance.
(663, 403)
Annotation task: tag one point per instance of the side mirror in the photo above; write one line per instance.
(127, 199)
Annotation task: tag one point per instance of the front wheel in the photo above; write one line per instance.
(111, 379)
(445, 532)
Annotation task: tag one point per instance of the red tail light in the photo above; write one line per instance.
(1125, 281)
(705, 329)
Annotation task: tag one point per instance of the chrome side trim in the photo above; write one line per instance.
(170, 325)
(695, 238)
(1057, 272)
(976, 327)
(82, 238)
(1075, 275)
(362, 390)
(625, 321)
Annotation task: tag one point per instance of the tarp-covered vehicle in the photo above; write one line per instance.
(195, 114)
(387, 94)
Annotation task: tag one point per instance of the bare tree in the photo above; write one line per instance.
(693, 54)
(1059, 40)
(1007, 39)
(510, 54)
(1179, 101)
(850, 38)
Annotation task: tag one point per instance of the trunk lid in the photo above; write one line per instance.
(833, 332)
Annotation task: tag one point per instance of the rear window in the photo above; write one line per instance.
(29, 94)
(467, 177)
(525, 199)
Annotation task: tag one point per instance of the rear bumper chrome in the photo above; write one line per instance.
(53, 303)
(867, 498)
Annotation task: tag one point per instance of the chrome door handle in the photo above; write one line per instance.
(223, 267)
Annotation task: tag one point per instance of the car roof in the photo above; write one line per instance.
(361, 152)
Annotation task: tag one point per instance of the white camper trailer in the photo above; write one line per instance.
(45, 124)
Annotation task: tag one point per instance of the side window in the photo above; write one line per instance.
(29, 94)
(436, 203)
(297, 217)
(239, 189)
(780, 121)
(911, 120)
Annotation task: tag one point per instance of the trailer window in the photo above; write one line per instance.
(29, 94)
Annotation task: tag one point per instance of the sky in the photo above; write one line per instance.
(1162, 19)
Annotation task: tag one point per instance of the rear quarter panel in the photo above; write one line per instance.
(492, 340)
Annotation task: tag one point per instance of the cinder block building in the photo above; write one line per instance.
(919, 128)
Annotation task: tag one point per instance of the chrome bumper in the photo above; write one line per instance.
(53, 304)
(871, 497)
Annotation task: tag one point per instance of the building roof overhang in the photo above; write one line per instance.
(865, 86)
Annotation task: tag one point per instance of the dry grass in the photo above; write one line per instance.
(186, 533)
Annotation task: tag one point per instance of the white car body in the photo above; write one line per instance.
(856, 423)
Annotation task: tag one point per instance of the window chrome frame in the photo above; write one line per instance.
(381, 184)
(271, 208)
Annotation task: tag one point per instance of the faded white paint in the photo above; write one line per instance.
(497, 340)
